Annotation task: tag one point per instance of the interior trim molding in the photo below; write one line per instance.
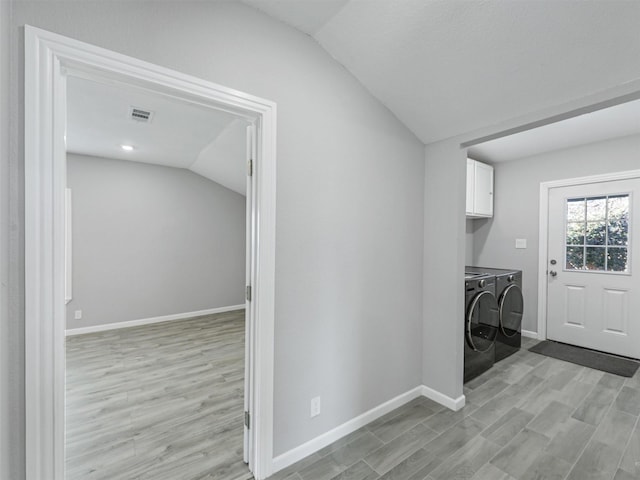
(308, 448)
(529, 334)
(312, 446)
(454, 404)
(151, 320)
(49, 60)
(543, 232)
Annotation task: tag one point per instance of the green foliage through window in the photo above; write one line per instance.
(597, 233)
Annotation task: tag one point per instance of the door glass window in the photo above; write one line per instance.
(597, 233)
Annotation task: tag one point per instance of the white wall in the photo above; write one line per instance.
(444, 257)
(470, 226)
(11, 433)
(516, 207)
(150, 241)
(349, 200)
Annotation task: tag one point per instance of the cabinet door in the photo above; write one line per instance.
(471, 175)
(483, 194)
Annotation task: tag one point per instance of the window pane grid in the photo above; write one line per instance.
(596, 236)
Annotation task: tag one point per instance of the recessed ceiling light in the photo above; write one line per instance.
(127, 148)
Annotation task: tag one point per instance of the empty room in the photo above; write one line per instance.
(320, 240)
(155, 285)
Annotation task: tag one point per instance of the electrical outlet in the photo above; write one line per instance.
(315, 407)
(77, 315)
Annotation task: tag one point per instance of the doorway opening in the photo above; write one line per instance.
(589, 232)
(157, 264)
(51, 61)
(545, 178)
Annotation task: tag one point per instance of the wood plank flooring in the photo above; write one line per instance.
(162, 402)
(529, 418)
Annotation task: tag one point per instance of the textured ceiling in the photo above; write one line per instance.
(447, 67)
(605, 124)
(306, 15)
(443, 68)
(182, 135)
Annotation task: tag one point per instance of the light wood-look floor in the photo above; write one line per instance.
(529, 418)
(164, 402)
(161, 402)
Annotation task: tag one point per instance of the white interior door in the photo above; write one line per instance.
(593, 296)
(249, 340)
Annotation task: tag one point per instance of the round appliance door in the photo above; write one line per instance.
(482, 321)
(511, 310)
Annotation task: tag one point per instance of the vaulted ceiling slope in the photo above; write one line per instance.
(209, 142)
(447, 67)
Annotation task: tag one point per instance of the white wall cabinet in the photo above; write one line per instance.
(479, 189)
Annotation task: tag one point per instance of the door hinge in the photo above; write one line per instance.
(247, 420)
(250, 168)
(248, 293)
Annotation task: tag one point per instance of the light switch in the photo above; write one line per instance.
(521, 243)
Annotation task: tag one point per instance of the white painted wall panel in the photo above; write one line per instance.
(11, 350)
(150, 241)
(444, 261)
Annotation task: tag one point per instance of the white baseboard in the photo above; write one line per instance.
(529, 334)
(312, 446)
(454, 404)
(149, 321)
(327, 438)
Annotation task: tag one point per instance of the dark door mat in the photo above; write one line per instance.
(625, 367)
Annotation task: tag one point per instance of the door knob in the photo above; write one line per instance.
(553, 273)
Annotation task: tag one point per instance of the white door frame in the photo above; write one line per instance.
(543, 239)
(48, 59)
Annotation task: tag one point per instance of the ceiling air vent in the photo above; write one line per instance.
(140, 114)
